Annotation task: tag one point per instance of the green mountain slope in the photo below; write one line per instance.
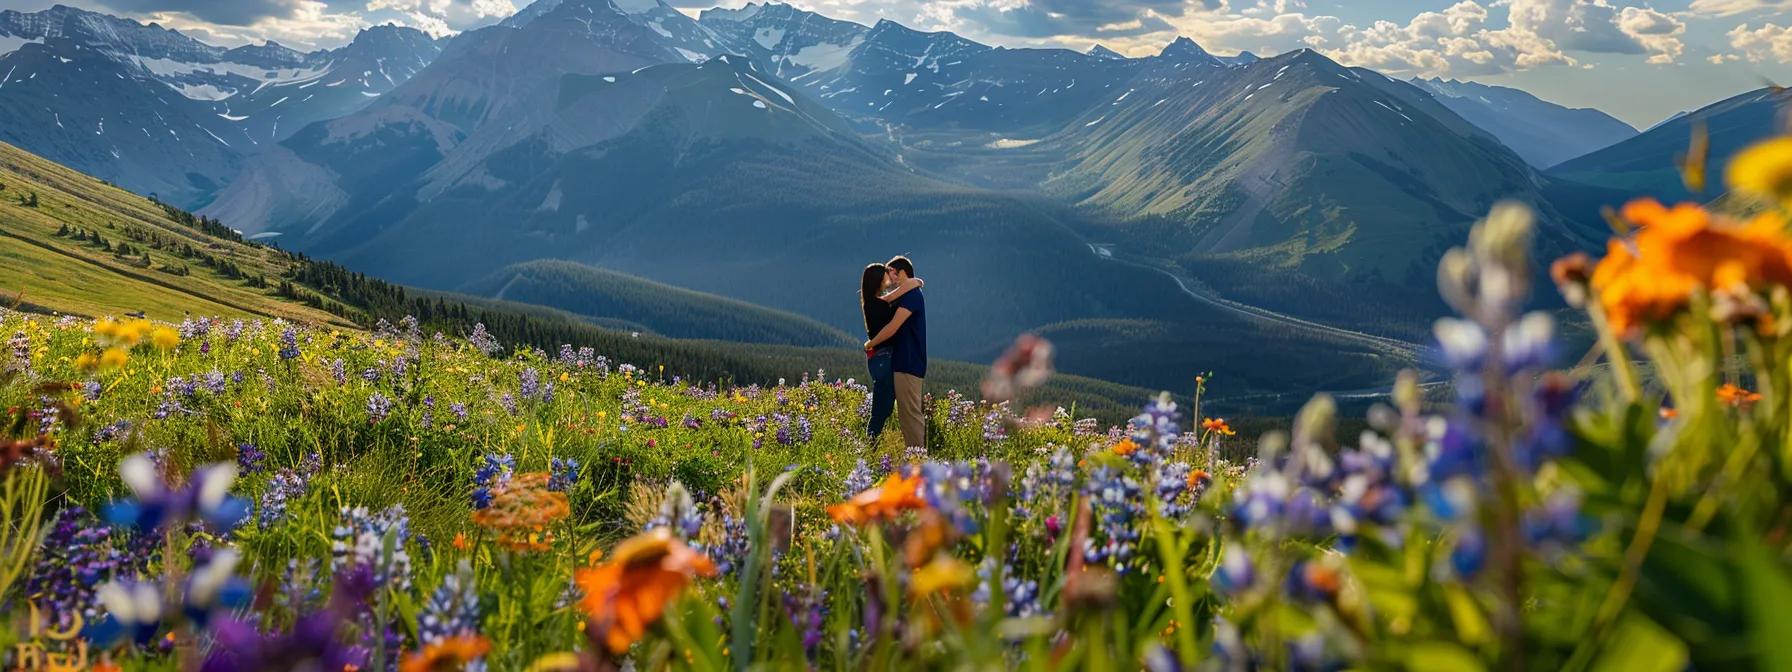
(604, 295)
(1296, 184)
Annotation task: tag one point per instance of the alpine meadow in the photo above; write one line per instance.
(465, 335)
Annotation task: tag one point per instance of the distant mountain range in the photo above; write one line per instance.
(1542, 132)
(1158, 215)
(161, 113)
(1644, 165)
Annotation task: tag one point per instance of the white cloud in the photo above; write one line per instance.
(310, 25)
(1468, 38)
(1734, 7)
(1769, 43)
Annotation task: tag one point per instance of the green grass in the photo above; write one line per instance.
(600, 294)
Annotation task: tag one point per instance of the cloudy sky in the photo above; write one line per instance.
(1640, 60)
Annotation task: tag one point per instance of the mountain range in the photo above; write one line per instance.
(1156, 215)
(1542, 132)
(1645, 164)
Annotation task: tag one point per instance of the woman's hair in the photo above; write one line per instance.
(871, 285)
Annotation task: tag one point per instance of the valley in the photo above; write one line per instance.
(648, 170)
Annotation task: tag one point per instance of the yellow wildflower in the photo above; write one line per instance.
(114, 358)
(1764, 170)
(164, 338)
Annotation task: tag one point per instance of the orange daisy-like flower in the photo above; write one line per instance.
(1737, 397)
(446, 654)
(1680, 251)
(1199, 479)
(521, 512)
(1125, 447)
(1217, 426)
(881, 502)
(631, 591)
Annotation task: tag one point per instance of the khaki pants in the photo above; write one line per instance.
(910, 414)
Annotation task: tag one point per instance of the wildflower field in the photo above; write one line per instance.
(263, 495)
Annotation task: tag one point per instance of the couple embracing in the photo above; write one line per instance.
(896, 323)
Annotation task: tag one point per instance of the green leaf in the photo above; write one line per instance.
(1639, 645)
(1767, 604)
(1471, 625)
(1442, 657)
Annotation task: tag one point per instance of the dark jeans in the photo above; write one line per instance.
(883, 391)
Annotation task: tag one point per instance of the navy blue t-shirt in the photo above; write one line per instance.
(911, 340)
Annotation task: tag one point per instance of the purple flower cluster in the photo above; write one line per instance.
(483, 341)
(453, 609)
(78, 554)
(378, 408)
(376, 541)
(563, 474)
(287, 485)
(494, 470)
(1116, 500)
(249, 458)
(289, 344)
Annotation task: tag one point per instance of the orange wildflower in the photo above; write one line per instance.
(1680, 251)
(631, 591)
(1669, 413)
(1217, 426)
(1737, 397)
(522, 511)
(1198, 479)
(1125, 447)
(881, 502)
(460, 541)
(448, 653)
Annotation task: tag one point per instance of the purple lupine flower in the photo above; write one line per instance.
(452, 609)
(530, 384)
(483, 341)
(91, 390)
(214, 382)
(858, 480)
(78, 554)
(1115, 496)
(508, 401)
(678, 513)
(371, 374)
(339, 371)
(494, 470)
(459, 410)
(249, 458)
(314, 642)
(378, 407)
(429, 409)
(152, 504)
(289, 344)
(376, 541)
(282, 489)
(807, 608)
(563, 473)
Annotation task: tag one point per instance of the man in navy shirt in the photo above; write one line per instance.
(907, 334)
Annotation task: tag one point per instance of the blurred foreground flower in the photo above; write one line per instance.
(884, 502)
(154, 506)
(631, 591)
(1682, 250)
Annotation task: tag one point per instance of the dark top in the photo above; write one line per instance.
(911, 340)
(878, 314)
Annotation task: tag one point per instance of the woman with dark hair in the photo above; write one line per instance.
(875, 302)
